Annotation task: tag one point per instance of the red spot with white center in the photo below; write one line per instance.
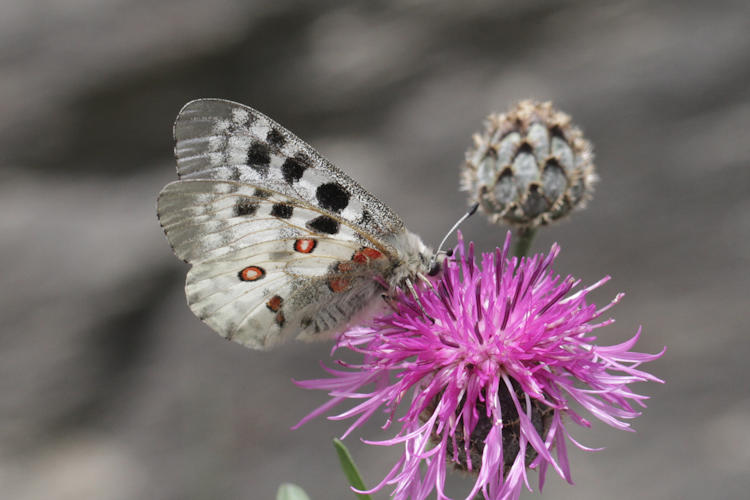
(252, 273)
(305, 245)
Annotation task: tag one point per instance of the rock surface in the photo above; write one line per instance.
(111, 389)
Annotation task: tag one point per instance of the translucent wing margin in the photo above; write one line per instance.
(222, 140)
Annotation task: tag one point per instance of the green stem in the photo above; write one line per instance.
(523, 237)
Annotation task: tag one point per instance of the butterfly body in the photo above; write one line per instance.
(281, 242)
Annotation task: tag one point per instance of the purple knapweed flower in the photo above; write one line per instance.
(487, 379)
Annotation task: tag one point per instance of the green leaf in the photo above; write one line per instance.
(289, 491)
(347, 465)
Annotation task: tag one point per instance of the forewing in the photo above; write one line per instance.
(222, 140)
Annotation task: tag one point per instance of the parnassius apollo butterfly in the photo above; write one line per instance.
(282, 243)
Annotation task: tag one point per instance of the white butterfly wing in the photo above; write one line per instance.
(282, 243)
(223, 140)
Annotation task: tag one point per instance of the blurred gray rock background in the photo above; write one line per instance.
(111, 389)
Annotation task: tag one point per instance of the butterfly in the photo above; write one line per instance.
(281, 242)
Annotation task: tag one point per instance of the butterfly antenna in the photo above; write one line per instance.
(455, 226)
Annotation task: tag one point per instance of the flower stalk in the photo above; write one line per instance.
(524, 236)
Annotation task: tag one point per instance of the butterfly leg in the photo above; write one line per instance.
(429, 283)
(413, 292)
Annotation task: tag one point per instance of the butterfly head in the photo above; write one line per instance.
(436, 264)
(415, 258)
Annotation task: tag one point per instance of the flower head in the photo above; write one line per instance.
(487, 379)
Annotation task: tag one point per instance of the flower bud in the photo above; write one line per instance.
(529, 167)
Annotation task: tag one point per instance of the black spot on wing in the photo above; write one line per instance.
(275, 138)
(245, 207)
(259, 158)
(282, 210)
(293, 168)
(365, 219)
(323, 224)
(332, 196)
(262, 193)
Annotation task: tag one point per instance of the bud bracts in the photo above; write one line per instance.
(529, 167)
